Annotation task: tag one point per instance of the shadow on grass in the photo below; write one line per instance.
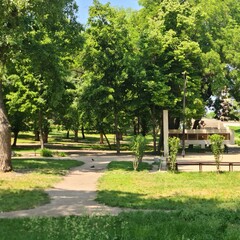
(127, 166)
(198, 223)
(140, 201)
(44, 166)
(14, 199)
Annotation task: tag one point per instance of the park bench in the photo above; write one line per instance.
(201, 164)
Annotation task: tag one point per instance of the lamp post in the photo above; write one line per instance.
(184, 106)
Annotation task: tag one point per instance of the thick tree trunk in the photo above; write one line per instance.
(5, 137)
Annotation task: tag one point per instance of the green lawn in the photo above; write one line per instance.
(185, 206)
(168, 191)
(24, 188)
(57, 141)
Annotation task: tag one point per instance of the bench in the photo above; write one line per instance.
(200, 164)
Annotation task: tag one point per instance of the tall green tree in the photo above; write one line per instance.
(105, 63)
(39, 32)
(169, 48)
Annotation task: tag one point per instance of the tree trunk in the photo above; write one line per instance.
(36, 135)
(116, 131)
(153, 111)
(160, 143)
(5, 137)
(67, 135)
(83, 135)
(109, 145)
(40, 119)
(138, 125)
(45, 137)
(101, 138)
(15, 133)
(134, 128)
(76, 135)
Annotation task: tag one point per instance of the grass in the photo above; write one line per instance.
(57, 141)
(24, 188)
(180, 225)
(186, 206)
(168, 191)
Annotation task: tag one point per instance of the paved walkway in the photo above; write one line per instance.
(76, 193)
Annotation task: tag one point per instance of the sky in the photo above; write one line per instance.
(83, 6)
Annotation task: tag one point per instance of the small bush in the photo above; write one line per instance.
(46, 152)
(217, 148)
(173, 150)
(61, 154)
(138, 148)
(237, 142)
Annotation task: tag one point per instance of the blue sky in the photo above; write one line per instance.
(84, 5)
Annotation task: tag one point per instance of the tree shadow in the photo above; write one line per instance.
(166, 203)
(13, 199)
(44, 166)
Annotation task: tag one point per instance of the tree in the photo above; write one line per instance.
(40, 32)
(169, 48)
(105, 64)
(218, 36)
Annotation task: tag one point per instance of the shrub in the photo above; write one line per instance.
(46, 152)
(237, 142)
(138, 148)
(61, 154)
(217, 148)
(173, 150)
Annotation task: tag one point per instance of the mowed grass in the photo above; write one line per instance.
(24, 188)
(168, 191)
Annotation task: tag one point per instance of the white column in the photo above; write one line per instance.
(165, 139)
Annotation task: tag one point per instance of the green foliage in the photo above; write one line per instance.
(138, 148)
(61, 154)
(237, 142)
(130, 67)
(217, 148)
(45, 152)
(37, 41)
(173, 150)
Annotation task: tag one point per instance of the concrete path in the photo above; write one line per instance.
(76, 193)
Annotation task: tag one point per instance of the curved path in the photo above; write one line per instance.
(76, 193)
